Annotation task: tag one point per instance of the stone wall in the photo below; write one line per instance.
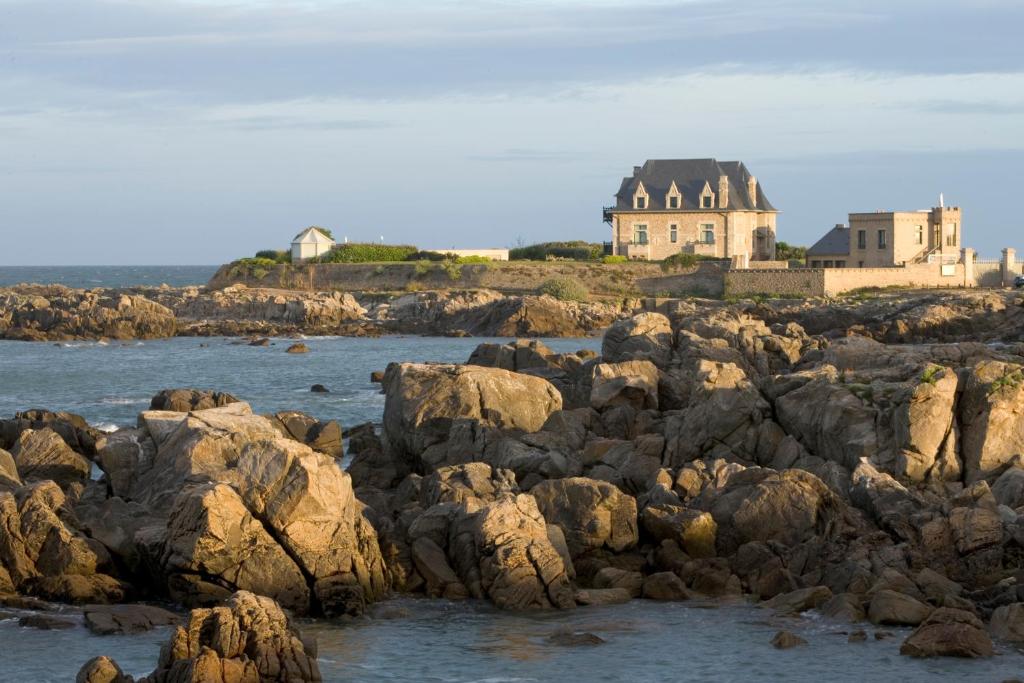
(988, 273)
(509, 277)
(835, 281)
(797, 282)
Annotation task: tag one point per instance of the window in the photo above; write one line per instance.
(860, 264)
(673, 233)
(881, 239)
(815, 264)
(919, 234)
(641, 202)
(707, 233)
(840, 264)
(673, 202)
(862, 239)
(828, 264)
(705, 201)
(640, 233)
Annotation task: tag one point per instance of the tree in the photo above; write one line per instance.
(788, 252)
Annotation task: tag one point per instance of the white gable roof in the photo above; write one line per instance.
(312, 236)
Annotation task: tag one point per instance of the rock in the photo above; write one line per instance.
(426, 402)
(460, 483)
(602, 596)
(263, 341)
(377, 377)
(784, 640)
(9, 478)
(799, 600)
(186, 400)
(298, 347)
(974, 528)
(76, 432)
(247, 639)
(892, 608)
(574, 639)
(434, 568)
(106, 620)
(647, 336)
(1007, 622)
(632, 383)
(503, 552)
(844, 607)
(45, 622)
(948, 633)
(592, 514)
(992, 418)
(935, 586)
(325, 437)
(319, 389)
(692, 530)
(42, 454)
(613, 577)
(1009, 487)
(101, 670)
(859, 636)
(664, 586)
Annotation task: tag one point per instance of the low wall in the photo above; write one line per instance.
(922, 275)
(796, 282)
(632, 279)
(988, 273)
(768, 265)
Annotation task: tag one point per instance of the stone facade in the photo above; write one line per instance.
(892, 238)
(693, 206)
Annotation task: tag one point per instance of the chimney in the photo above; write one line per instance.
(723, 191)
(752, 190)
(636, 171)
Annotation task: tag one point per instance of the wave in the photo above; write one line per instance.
(118, 401)
(108, 427)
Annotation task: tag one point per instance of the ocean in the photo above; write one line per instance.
(87, 277)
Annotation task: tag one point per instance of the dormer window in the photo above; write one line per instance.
(640, 197)
(707, 197)
(673, 198)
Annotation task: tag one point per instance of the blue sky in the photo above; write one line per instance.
(137, 131)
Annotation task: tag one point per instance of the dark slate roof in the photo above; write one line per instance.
(835, 241)
(690, 175)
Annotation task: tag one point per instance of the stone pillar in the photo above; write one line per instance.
(967, 256)
(752, 190)
(1009, 266)
(723, 192)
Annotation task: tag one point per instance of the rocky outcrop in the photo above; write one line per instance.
(592, 514)
(187, 400)
(949, 632)
(434, 414)
(42, 454)
(54, 312)
(247, 639)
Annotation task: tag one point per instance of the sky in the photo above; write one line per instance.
(199, 131)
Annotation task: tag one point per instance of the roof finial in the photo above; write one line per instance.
(941, 202)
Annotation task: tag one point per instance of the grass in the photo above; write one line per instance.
(931, 374)
(1010, 380)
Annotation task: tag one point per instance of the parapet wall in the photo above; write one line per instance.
(835, 281)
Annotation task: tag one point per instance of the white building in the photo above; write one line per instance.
(310, 243)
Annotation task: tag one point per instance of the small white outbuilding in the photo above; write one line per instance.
(310, 243)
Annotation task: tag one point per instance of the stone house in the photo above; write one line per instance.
(310, 243)
(694, 206)
(891, 238)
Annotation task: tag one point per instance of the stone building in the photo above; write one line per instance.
(891, 238)
(695, 206)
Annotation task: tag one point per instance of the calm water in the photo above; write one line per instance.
(109, 384)
(422, 640)
(107, 276)
(433, 641)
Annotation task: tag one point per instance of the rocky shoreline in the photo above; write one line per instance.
(57, 313)
(865, 461)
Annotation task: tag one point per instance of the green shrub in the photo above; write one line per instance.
(426, 256)
(421, 268)
(618, 258)
(565, 288)
(275, 255)
(788, 252)
(679, 261)
(473, 259)
(575, 250)
(452, 268)
(368, 252)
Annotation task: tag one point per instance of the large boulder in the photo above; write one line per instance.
(42, 454)
(502, 551)
(592, 514)
(426, 402)
(992, 418)
(1008, 622)
(633, 383)
(248, 639)
(647, 336)
(949, 632)
(325, 437)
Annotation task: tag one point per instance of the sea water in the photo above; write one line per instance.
(423, 640)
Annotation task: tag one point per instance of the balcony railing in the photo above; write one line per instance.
(606, 214)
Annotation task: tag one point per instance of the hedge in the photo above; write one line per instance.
(275, 255)
(576, 250)
(564, 289)
(368, 252)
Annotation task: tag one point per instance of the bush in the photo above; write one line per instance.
(576, 250)
(452, 269)
(426, 256)
(787, 252)
(614, 259)
(473, 259)
(679, 261)
(369, 252)
(564, 289)
(275, 255)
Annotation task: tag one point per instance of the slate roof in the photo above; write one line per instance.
(690, 175)
(835, 241)
(312, 236)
